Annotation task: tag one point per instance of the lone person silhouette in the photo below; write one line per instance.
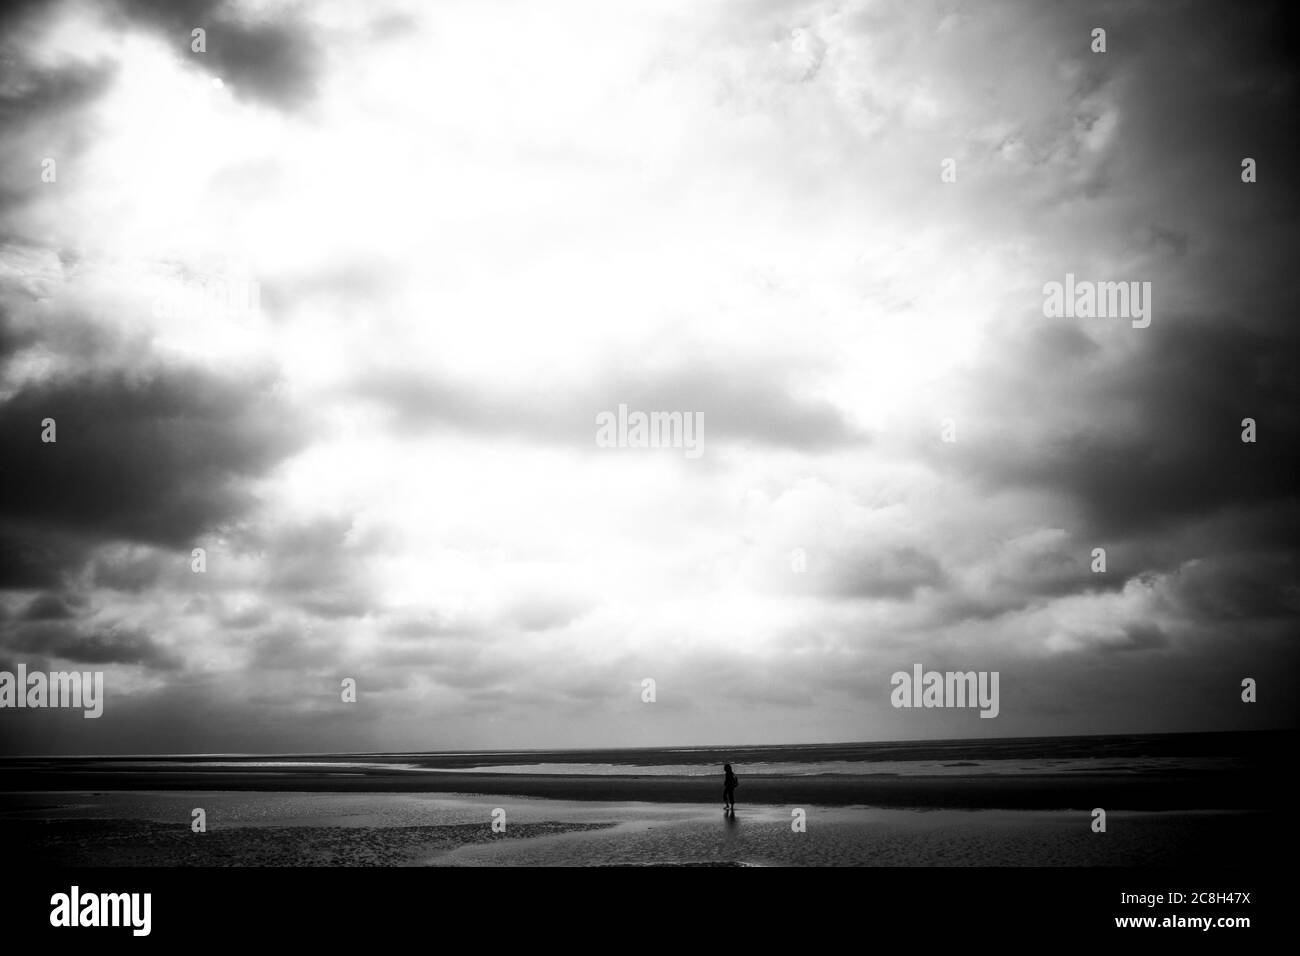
(729, 783)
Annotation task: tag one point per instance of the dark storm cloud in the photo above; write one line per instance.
(75, 339)
(739, 404)
(1147, 458)
(148, 455)
(14, 337)
(1232, 590)
(132, 571)
(270, 57)
(41, 112)
(154, 456)
(1138, 636)
(89, 645)
(48, 607)
(1160, 442)
(35, 559)
(1133, 436)
(32, 93)
(202, 713)
(17, 12)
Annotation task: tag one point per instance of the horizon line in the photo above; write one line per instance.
(545, 750)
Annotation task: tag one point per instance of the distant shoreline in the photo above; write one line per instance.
(1258, 744)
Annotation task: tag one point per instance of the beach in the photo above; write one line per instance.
(1171, 800)
(405, 829)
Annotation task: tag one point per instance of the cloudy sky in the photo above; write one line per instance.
(339, 300)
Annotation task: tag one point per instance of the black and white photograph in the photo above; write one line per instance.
(657, 437)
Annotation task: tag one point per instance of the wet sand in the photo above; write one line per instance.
(1207, 800)
(394, 829)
